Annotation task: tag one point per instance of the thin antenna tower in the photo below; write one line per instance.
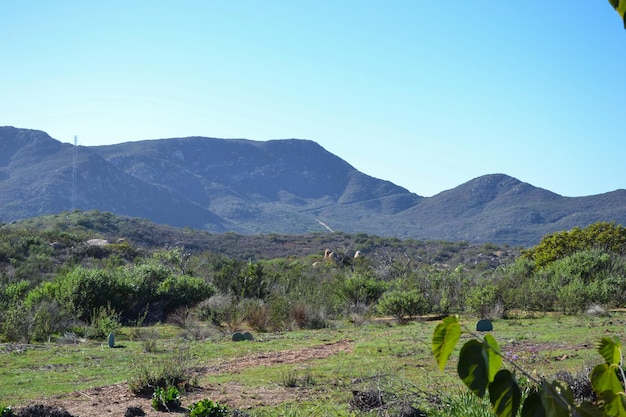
(74, 173)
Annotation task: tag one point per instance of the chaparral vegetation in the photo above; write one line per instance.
(100, 313)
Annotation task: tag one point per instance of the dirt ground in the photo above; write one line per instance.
(114, 400)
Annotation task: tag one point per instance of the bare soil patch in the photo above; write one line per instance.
(114, 400)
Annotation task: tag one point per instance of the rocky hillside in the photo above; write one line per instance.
(281, 186)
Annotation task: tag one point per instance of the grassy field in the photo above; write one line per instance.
(312, 372)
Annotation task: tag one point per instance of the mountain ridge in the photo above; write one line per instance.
(288, 186)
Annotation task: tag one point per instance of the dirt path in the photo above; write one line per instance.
(114, 400)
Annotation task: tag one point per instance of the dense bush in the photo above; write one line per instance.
(182, 290)
(445, 290)
(482, 300)
(403, 304)
(15, 324)
(48, 318)
(360, 289)
(13, 293)
(84, 291)
(608, 237)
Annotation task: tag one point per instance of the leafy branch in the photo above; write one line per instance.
(620, 7)
(479, 369)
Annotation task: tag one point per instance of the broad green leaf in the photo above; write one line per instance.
(620, 7)
(533, 407)
(472, 367)
(504, 394)
(557, 399)
(604, 379)
(611, 350)
(445, 338)
(614, 403)
(589, 410)
(493, 356)
(607, 385)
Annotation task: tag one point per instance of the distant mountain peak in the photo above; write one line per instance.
(278, 186)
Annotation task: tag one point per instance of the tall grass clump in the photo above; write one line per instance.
(462, 404)
(174, 370)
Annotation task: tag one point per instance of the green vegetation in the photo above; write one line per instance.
(62, 294)
(6, 412)
(480, 369)
(207, 408)
(620, 7)
(166, 399)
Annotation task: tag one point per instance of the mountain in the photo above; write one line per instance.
(499, 208)
(282, 186)
(279, 186)
(37, 177)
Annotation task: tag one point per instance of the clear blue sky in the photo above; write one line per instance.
(426, 94)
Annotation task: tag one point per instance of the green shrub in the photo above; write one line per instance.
(104, 320)
(6, 412)
(605, 236)
(144, 280)
(482, 299)
(166, 399)
(15, 324)
(445, 290)
(220, 310)
(45, 292)
(207, 408)
(535, 294)
(183, 291)
(280, 312)
(572, 297)
(359, 288)
(84, 291)
(48, 318)
(402, 304)
(13, 293)
(258, 315)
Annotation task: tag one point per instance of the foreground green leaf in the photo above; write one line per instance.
(614, 403)
(620, 7)
(557, 399)
(472, 368)
(533, 406)
(604, 379)
(493, 356)
(607, 385)
(589, 410)
(504, 394)
(446, 335)
(610, 350)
